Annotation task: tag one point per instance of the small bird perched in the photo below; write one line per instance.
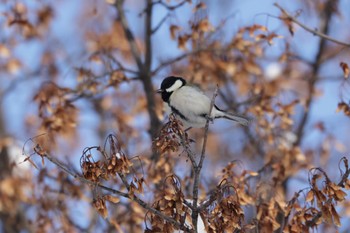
(191, 104)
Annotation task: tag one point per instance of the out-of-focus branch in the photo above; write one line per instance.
(146, 77)
(178, 58)
(129, 35)
(325, 19)
(171, 8)
(120, 65)
(144, 68)
(324, 29)
(155, 29)
(148, 35)
(319, 33)
(143, 204)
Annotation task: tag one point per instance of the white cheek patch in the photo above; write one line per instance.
(175, 86)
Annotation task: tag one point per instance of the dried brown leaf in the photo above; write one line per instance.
(173, 30)
(335, 215)
(342, 106)
(310, 196)
(345, 69)
(112, 199)
(326, 214)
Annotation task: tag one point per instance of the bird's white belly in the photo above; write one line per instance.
(192, 105)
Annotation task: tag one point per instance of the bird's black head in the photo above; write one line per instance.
(169, 85)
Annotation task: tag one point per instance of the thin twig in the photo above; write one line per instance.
(313, 31)
(181, 57)
(120, 65)
(171, 61)
(197, 169)
(156, 28)
(171, 8)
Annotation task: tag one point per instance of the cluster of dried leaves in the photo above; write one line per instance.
(171, 203)
(30, 24)
(226, 212)
(222, 212)
(273, 213)
(57, 113)
(170, 136)
(112, 164)
(320, 202)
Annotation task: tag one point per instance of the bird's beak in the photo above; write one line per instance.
(159, 91)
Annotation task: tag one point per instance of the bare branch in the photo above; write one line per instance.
(321, 33)
(176, 59)
(154, 30)
(183, 56)
(120, 65)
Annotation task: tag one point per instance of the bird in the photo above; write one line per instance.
(191, 105)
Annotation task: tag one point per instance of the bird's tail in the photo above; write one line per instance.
(237, 118)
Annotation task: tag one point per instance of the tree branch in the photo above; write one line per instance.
(324, 29)
(177, 59)
(148, 35)
(154, 30)
(325, 19)
(120, 65)
(197, 169)
(171, 8)
(144, 68)
(320, 33)
(155, 123)
(129, 35)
